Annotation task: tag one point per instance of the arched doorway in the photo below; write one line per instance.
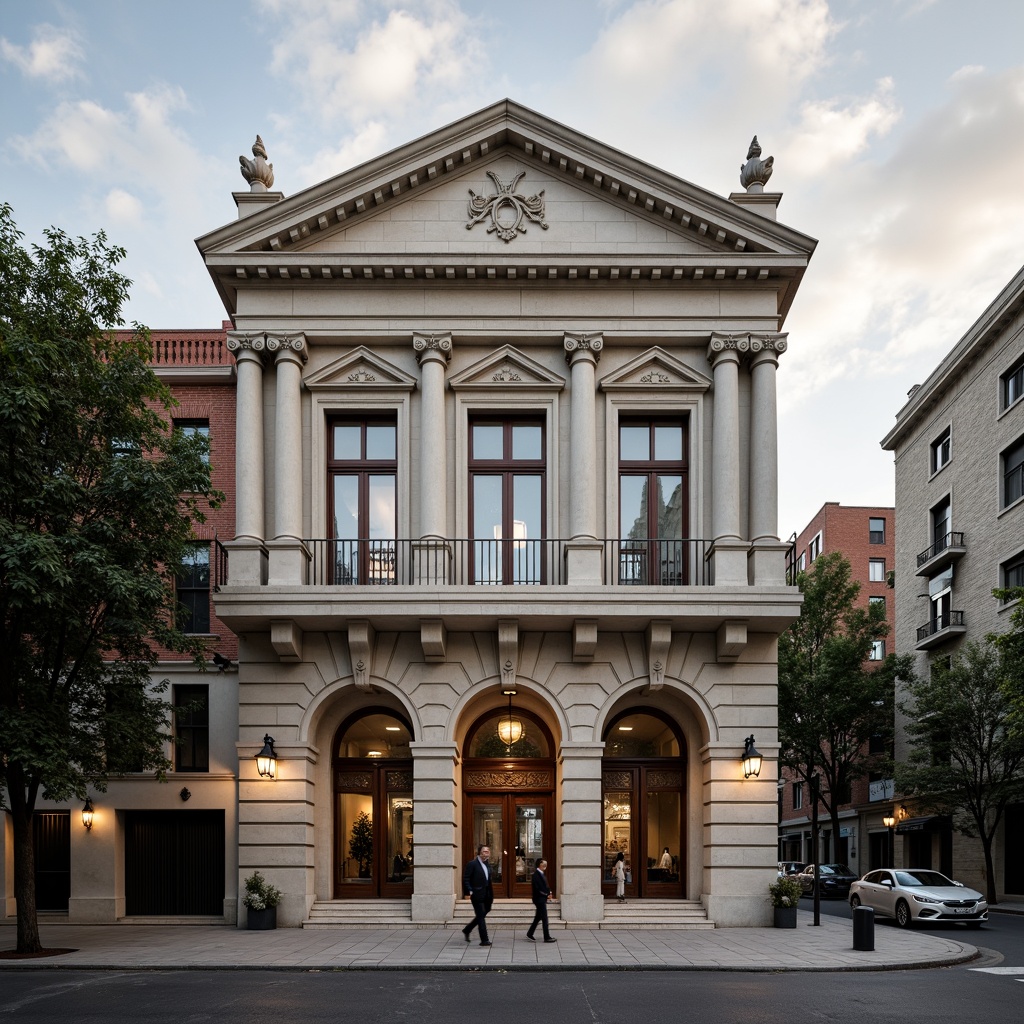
(508, 779)
(644, 796)
(372, 779)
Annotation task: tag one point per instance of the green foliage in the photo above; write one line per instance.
(259, 893)
(964, 761)
(785, 892)
(1011, 650)
(97, 497)
(830, 705)
(360, 842)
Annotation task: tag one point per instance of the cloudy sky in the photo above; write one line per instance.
(897, 128)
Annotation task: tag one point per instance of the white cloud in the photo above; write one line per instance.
(368, 142)
(54, 54)
(122, 207)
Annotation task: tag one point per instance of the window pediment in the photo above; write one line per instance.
(656, 370)
(360, 369)
(506, 368)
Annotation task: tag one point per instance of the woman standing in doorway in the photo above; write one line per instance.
(619, 871)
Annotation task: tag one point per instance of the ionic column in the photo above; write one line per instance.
(287, 554)
(729, 553)
(247, 553)
(583, 552)
(433, 351)
(767, 556)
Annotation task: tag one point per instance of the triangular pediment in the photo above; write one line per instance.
(506, 368)
(656, 370)
(360, 369)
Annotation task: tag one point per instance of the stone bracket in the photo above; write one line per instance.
(360, 646)
(286, 639)
(433, 638)
(731, 640)
(659, 639)
(584, 639)
(508, 650)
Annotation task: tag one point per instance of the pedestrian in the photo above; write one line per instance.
(476, 887)
(666, 861)
(619, 872)
(541, 894)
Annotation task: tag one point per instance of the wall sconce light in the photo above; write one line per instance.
(87, 814)
(751, 759)
(266, 759)
(510, 730)
(185, 793)
(888, 820)
(903, 812)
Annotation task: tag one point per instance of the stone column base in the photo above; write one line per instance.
(247, 562)
(766, 563)
(583, 562)
(431, 909)
(432, 561)
(582, 908)
(729, 562)
(288, 562)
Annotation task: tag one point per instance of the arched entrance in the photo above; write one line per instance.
(508, 780)
(372, 779)
(644, 795)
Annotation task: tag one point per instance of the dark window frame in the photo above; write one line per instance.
(941, 450)
(1012, 384)
(876, 536)
(192, 591)
(195, 425)
(1012, 572)
(191, 728)
(1012, 460)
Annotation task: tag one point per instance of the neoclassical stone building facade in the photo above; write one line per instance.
(506, 566)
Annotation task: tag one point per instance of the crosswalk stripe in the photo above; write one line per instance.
(999, 970)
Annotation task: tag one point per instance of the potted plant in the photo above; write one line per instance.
(785, 894)
(261, 900)
(360, 843)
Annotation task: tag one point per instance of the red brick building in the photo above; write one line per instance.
(866, 537)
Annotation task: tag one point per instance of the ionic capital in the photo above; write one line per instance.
(291, 347)
(246, 346)
(432, 347)
(582, 346)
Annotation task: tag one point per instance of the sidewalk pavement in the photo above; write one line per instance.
(828, 947)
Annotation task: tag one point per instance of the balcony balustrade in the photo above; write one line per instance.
(940, 629)
(946, 550)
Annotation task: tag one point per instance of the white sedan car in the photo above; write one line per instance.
(912, 894)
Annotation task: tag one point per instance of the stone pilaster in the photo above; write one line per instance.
(288, 555)
(437, 879)
(248, 555)
(580, 821)
(729, 553)
(583, 552)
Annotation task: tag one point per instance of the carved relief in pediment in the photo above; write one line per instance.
(656, 370)
(508, 367)
(360, 368)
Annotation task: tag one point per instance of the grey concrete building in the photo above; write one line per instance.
(959, 451)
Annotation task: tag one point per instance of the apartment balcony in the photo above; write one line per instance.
(470, 583)
(942, 553)
(940, 630)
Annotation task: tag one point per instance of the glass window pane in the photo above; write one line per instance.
(634, 444)
(633, 507)
(376, 736)
(488, 441)
(346, 506)
(488, 831)
(487, 740)
(529, 838)
(399, 852)
(670, 506)
(668, 443)
(527, 550)
(641, 735)
(382, 507)
(487, 529)
(663, 833)
(355, 835)
(618, 815)
(380, 441)
(347, 441)
(526, 441)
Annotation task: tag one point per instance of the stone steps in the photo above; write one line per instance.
(515, 913)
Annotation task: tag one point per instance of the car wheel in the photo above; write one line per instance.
(855, 901)
(903, 918)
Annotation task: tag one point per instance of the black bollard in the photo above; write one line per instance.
(864, 929)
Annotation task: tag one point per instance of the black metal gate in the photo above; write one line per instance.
(174, 863)
(52, 840)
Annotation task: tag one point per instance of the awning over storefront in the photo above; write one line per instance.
(928, 823)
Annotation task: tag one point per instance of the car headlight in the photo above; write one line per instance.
(925, 899)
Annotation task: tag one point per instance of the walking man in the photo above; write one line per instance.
(541, 894)
(476, 886)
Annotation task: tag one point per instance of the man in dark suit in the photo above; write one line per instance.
(476, 885)
(541, 895)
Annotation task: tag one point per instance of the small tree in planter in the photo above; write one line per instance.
(261, 900)
(360, 843)
(784, 894)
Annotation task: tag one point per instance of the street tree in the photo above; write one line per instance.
(98, 498)
(830, 704)
(964, 762)
(1011, 651)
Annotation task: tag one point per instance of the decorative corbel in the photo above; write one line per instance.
(508, 650)
(286, 639)
(584, 639)
(659, 639)
(433, 637)
(731, 640)
(360, 647)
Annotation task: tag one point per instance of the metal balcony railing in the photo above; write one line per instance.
(939, 623)
(220, 565)
(950, 540)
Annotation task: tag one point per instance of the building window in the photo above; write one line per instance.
(876, 531)
(877, 600)
(652, 501)
(940, 592)
(876, 570)
(803, 560)
(798, 795)
(814, 548)
(196, 428)
(507, 500)
(1013, 473)
(942, 521)
(1013, 572)
(941, 450)
(193, 589)
(362, 468)
(192, 728)
(877, 651)
(1013, 384)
